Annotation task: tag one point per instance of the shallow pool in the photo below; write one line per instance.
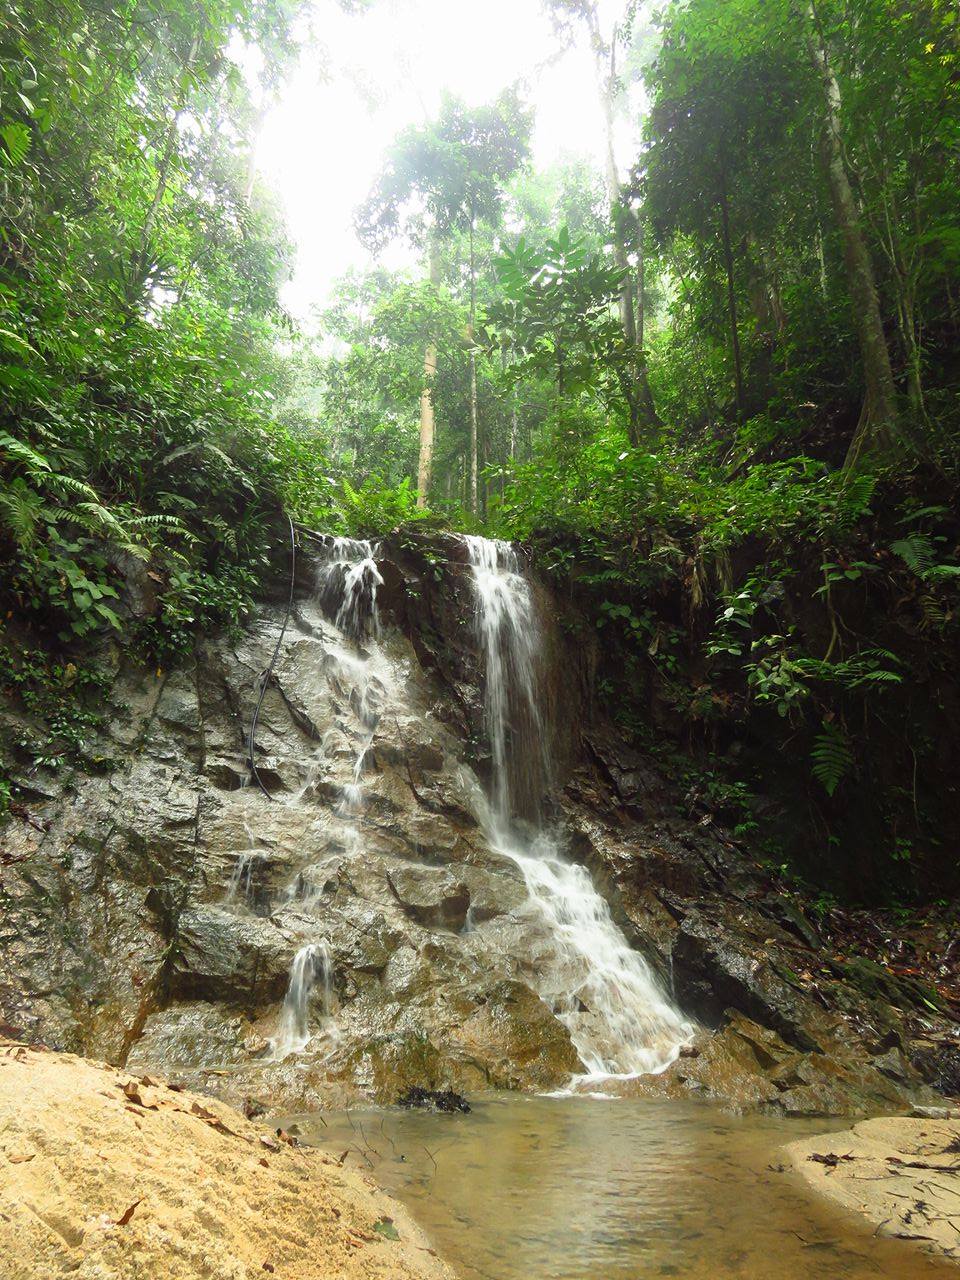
(585, 1189)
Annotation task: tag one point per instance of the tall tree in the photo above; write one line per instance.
(877, 425)
(447, 177)
(624, 227)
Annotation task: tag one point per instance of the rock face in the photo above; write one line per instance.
(151, 916)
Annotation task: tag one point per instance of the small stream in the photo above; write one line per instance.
(534, 1188)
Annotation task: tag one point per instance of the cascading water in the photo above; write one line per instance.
(508, 635)
(310, 964)
(347, 586)
(348, 583)
(619, 1020)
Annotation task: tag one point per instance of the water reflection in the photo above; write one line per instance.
(580, 1189)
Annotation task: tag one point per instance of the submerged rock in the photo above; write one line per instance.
(434, 1100)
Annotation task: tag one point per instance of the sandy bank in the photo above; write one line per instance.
(107, 1176)
(901, 1173)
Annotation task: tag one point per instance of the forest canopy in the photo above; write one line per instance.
(721, 362)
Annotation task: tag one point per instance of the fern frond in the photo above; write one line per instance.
(831, 758)
(21, 510)
(916, 552)
(57, 480)
(20, 451)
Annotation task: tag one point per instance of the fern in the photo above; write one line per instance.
(831, 758)
(916, 552)
(20, 451)
(21, 510)
(56, 480)
(16, 140)
(858, 492)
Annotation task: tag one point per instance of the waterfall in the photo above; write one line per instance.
(310, 963)
(506, 623)
(347, 585)
(620, 1021)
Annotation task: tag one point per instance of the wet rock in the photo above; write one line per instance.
(877, 982)
(518, 1039)
(436, 899)
(228, 775)
(939, 1064)
(188, 1035)
(225, 956)
(715, 971)
(434, 1100)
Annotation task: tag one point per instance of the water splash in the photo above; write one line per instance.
(347, 582)
(311, 964)
(620, 1021)
(241, 882)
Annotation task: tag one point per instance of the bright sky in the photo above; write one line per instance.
(322, 145)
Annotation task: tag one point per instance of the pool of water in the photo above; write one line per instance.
(587, 1189)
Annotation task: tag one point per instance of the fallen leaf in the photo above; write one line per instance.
(131, 1090)
(20, 1158)
(211, 1119)
(831, 1159)
(128, 1213)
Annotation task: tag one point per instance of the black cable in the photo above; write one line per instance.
(268, 670)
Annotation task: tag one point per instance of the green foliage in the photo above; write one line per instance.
(448, 174)
(831, 758)
(139, 317)
(919, 555)
(63, 704)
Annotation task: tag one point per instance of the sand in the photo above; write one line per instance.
(108, 1176)
(900, 1173)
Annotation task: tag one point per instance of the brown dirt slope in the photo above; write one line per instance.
(107, 1176)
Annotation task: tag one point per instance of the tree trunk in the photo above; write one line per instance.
(640, 404)
(878, 418)
(473, 373)
(731, 296)
(425, 464)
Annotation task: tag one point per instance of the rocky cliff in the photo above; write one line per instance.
(152, 915)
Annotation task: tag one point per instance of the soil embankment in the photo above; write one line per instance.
(105, 1174)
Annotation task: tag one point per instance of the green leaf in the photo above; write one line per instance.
(16, 141)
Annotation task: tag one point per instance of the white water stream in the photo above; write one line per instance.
(347, 585)
(311, 964)
(620, 1021)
